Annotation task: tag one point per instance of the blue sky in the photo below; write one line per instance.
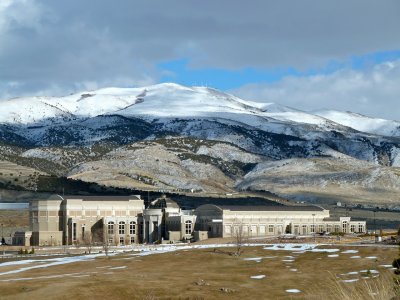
(179, 71)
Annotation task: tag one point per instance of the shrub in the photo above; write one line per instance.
(383, 287)
(32, 251)
(396, 263)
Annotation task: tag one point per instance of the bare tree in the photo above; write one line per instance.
(240, 237)
(88, 241)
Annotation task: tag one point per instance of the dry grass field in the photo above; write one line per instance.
(201, 274)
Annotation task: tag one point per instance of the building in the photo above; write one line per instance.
(259, 221)
(123, 220)
(118, 220)
(71, 220)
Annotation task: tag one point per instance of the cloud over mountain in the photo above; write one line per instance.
(373, 92)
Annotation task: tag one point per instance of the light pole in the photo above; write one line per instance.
(313, 221)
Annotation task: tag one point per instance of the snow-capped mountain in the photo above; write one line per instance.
(362, 123)
(168, 136)
(170, 100)
(123, 115)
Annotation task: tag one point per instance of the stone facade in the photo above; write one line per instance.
(121, 220)
(259, 221)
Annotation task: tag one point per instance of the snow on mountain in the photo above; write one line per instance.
(362, 123)
(165, 100)
(169, 100)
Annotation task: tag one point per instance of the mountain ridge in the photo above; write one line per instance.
(135, 137)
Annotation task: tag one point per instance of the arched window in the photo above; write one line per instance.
(188, 227)
(132, 228)
(110, 228)
(121, 227)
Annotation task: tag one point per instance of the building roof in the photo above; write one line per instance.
(332, 219)
(271, 208)
(101, 198)
(163, 202)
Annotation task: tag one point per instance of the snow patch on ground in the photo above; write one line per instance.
(349, 251)
(293, 291)
(350, 280)
(257, 277)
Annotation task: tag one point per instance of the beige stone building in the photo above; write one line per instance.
(259, 221)
(123, 220)
(75, 219)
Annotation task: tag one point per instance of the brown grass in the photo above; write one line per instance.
(197, 274)
(383, 287)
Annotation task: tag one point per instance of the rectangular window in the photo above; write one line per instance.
(132, 239)
(110, 228)
(304, 229)
(320, 228)
(271, 228)
(132, 228)
(312, 228)
(74, 231)
(360, 228)
(352, 228)
(121, 241)
(188, 227)
(121, 228)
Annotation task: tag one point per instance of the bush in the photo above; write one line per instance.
(396, 263)
(32, 251)
(21, 251)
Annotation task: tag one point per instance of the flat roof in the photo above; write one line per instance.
(101, 198)
(271, 208)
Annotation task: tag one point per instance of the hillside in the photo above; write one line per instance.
(196, 139)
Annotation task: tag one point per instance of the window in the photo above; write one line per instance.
(329, 228)
(74, 231)
(304, 229)
(320, 228)
(344, 226)
(337, 228)
(132, 239)
(121, 241)
(188, 227)
(132, 228)
(312, 228)
(352, 228)
(110, 228)
(271, 228)
(360, 228)
(121, 227)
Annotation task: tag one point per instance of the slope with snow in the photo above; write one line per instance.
(158, 101)
(362, 123)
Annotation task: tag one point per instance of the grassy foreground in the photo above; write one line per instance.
(208, 274)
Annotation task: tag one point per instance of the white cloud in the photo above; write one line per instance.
(20, 13)
(67, 45)
(373, 92)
